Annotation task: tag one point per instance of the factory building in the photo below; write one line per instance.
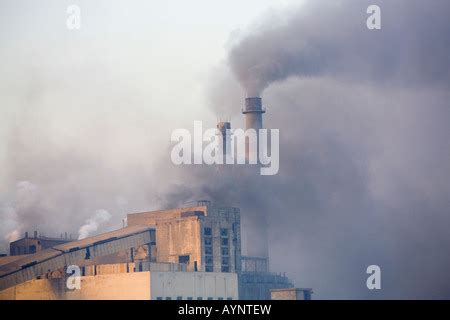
(113, 265)
(112, 282)
(29, 245)
(256, 281)
(184, 253)
(206, 239)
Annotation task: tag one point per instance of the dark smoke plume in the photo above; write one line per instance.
(330, 38)
(363, 117)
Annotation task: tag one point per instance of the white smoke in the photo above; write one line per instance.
(92, 224)
(13, 236)
(21, 213)
(9, 227)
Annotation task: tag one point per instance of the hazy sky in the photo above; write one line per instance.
(86, 118)
(117, 87)
(157, 53)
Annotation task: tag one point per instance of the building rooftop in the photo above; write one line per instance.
(24, 262)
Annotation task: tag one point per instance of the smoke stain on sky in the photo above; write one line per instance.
(363, 117)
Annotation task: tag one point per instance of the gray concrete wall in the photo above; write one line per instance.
(229, 219)
(178, 237)
(194, 285)
(150, 217)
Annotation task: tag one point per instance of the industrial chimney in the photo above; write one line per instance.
(224, 128)
(256, 231)
(253, 112)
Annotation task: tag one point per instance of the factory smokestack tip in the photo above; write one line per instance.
(253, 105)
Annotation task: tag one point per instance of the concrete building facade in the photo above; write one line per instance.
(30, 245)
(183, 253)
(147, 285)
(256, 281)
(291, 294)
(204, 238)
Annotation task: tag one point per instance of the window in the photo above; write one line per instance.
(179, 298)
(168, 298)
(225, 251)
(225, 264)
(183, 259)
(229, 298)
(224, 241)
(208, 251)
(210, 298)
(189, 298)
(159, 298)
(199, 298)
(207, 231)
(219, 298)
(224, 233)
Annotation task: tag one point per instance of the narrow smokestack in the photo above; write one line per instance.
(35, 234)
(253, 113)
(224, 128)
(256, 232)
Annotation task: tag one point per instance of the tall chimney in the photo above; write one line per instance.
(253, 112)
(256, 232)
(35, 234)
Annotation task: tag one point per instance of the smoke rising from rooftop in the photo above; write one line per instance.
(92, 224)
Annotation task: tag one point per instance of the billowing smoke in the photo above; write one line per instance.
(9, 227)
(363, 117)
(330, 38)
(24, 211)
(13, 236)
(92, 224)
